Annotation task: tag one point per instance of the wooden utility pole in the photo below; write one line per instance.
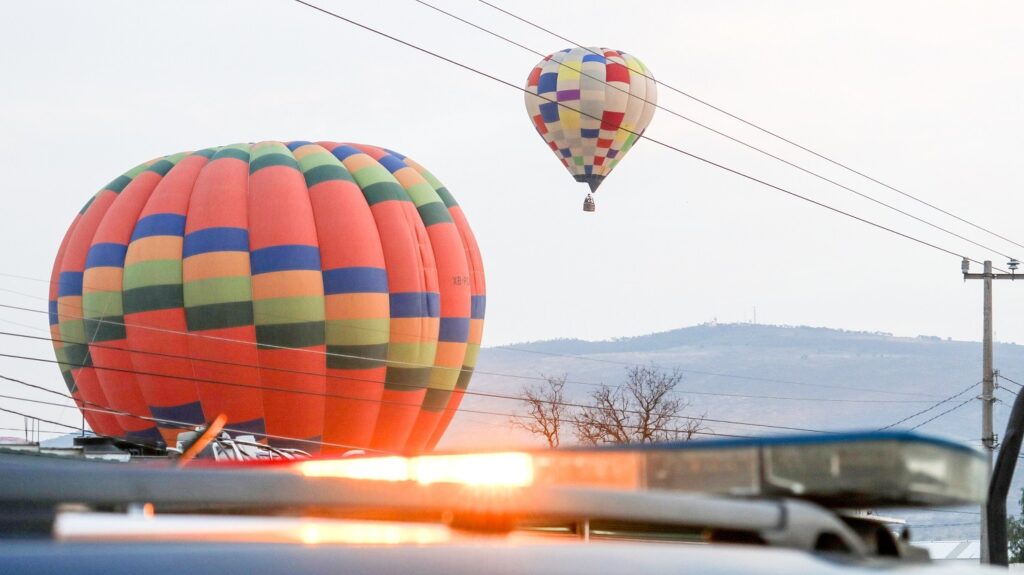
(988, 437)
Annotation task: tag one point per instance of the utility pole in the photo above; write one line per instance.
(988, 437)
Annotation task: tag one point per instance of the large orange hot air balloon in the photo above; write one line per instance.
(590, 105)
(323, 296)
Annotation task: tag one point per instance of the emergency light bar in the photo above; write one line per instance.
(895, 469)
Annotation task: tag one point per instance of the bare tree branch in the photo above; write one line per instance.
(545, 409)
(643, 410)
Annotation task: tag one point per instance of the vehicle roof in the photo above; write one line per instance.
(496, 557)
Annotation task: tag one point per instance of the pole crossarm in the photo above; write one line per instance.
(991, 276)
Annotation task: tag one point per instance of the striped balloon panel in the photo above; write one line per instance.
(59, 347)
(72, 314)
(218, 293)
(589, 105)
(454, 288)
(413, 296)
(313, 293)
(103, 299)
(153, 300)
(71, 317)
(478, 290)
(356, 304)
(288, 297)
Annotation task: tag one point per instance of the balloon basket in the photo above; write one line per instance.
(588, 204)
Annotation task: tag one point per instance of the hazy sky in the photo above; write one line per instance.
(925, 96)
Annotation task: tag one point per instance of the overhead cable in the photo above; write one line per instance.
(638, 135)
(709, 128)
(935, 406)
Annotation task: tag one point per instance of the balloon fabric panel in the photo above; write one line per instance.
(355, 282)
(103, 303)
(288, 297)
(449, 256)
(412, 294)
(154, 316)
(310, 292)
(217, 293)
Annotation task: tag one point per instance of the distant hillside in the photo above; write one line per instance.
(813, 378)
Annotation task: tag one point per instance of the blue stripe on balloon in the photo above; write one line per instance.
(216, 240)
(159, 225)
(454, 329)
(342, 152)
(256, 427)
(284, 258)
(415, 304)
(106, 255)
(590, 133)
(69, 284)
(184, 413)
(355, 280)
(594, 58)
(52, 309)
(478, 306)
(392, 163)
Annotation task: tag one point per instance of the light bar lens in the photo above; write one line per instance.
(864, 471)
(498, 469)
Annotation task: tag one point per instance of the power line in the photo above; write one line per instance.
(387, 362)
(936, 405)
(950, 410)
(658, 142)
(33, 430)
(50, 421)
(1004, 378)
(317, 394)
(481, 372)
(96, 407)
(769, 132)
(709, 128)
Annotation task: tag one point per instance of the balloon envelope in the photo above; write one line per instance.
(590, 105)
(323, 296)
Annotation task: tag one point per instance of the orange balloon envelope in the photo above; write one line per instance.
(322, 296)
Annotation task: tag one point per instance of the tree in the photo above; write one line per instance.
(545, 409)
(643, 410)
(1015, 536)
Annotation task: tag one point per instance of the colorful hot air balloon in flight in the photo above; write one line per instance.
(317, 294)
(590, 105)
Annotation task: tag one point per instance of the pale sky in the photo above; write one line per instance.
(925, 96)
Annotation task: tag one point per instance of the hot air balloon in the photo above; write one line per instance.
(590, 105)
(322, 296)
